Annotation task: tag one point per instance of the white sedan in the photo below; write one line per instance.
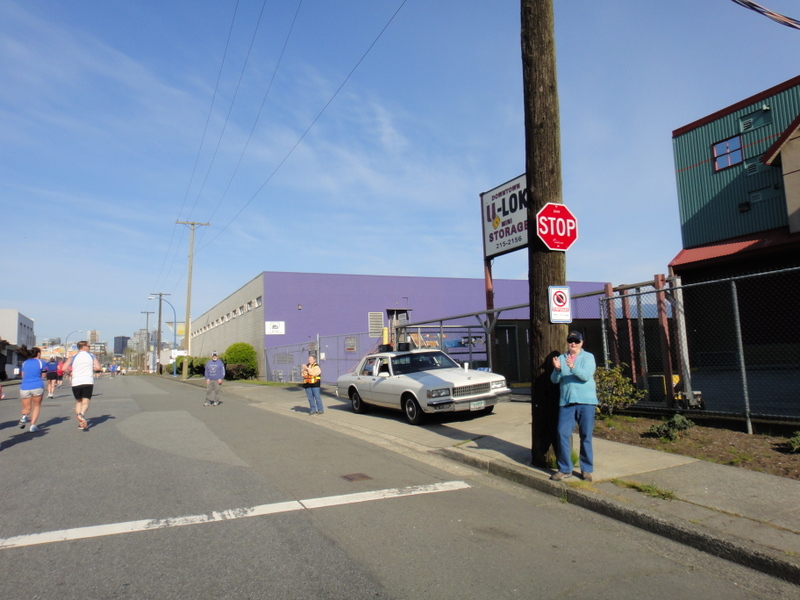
(420, 382)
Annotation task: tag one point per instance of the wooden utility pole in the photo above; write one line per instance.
(543, 171)
(187, 327)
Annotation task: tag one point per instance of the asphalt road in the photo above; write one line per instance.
(164, 498)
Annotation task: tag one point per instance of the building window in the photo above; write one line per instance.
(727, 153)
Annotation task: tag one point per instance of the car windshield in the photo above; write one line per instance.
(427, 361)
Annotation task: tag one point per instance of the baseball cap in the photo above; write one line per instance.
(214, 353)
(575, 335)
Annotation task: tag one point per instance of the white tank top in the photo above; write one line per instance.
(83, 368)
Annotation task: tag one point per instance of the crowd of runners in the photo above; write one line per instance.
(39, 375)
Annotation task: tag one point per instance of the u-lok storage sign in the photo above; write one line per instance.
(504, 213)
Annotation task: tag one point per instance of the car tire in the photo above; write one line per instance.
(412, 410)
(357, 403)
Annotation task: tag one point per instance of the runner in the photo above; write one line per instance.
(83, 366)
(52, 376)
(31, 388)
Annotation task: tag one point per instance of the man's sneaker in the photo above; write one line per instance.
(81, 421)
(215, 403)
(586, 476)
(23, 421)
(206, 403)
(34, 428)
(558, 476)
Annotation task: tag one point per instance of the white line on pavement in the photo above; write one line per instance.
(80, 533)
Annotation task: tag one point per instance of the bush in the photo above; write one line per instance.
(794, 442)
(672, 429)
(239, 372)
(615, 390)
(241, 361)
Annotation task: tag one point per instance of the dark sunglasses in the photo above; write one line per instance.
(573, 341)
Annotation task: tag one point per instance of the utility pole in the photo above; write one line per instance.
(158, 333)
(543, 171)
(187, 327)
(147, 314)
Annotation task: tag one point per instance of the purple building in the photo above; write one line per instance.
(278, 309)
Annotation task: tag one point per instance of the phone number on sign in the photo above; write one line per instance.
(507, 243)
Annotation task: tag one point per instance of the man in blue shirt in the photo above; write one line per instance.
(215, 373)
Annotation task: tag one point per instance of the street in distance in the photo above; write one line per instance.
(420, 382)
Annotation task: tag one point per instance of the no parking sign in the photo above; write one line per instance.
(559, 299)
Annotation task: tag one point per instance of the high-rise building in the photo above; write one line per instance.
(94, 337)
(120, 344)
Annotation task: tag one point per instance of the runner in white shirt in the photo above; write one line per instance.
(83, 366)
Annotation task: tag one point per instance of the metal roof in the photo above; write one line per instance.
(762, 242)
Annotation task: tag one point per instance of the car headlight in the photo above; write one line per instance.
(440, 393)
(501, 383)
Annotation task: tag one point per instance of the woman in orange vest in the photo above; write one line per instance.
(312, 373)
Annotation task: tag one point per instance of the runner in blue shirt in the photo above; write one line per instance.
(52, 376)
(31, 389)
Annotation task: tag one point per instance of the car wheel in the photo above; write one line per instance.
(413, 412)
(358, 404)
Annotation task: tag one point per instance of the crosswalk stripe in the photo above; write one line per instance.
(80, 533)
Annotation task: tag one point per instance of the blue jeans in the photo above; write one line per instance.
(314, 399)
(568, 416)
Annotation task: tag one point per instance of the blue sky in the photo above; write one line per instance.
(118, 119)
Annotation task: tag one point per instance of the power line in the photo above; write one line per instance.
(200, 148)
(230, 109)
(260, 110)
(777, 17)
(314, 122)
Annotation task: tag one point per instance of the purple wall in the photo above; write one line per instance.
(338, 304)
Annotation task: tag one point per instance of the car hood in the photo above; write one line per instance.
(456, 377)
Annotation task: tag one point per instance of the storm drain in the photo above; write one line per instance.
(356, 477)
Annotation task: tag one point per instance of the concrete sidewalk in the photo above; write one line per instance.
(747, 517)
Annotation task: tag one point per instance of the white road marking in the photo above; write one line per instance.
(81, 533)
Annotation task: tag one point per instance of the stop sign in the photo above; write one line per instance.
(556, 226)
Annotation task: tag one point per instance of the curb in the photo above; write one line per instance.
(761, 559)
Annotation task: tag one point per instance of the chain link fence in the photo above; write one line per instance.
(336, 355)
(728, 346)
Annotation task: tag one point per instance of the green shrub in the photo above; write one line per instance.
(241, 361)
(671, 429)
(615, 390)
(239, 371)
(794, 442)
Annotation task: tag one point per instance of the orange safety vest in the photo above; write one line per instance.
(307, 376)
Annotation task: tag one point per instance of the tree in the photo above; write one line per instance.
(241, 361)
(543, 171)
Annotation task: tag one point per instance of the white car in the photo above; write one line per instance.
(420, 382)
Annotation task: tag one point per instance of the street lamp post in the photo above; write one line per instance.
(174, 331)
(66, 349)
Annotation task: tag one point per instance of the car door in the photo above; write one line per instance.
(383, 386)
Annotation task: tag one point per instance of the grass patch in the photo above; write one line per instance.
(646, 489)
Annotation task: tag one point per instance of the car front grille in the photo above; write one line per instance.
(472, 390)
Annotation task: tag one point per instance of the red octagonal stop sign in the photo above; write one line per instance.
(556, 226)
